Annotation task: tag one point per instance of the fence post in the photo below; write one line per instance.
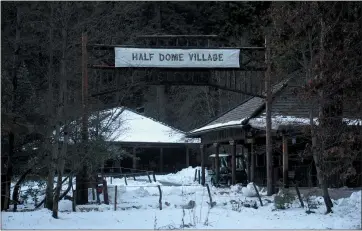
(199, 173)
(160, 200)
(105, 192)
(125, 179)
(74, 200)
(111, 179)
(115, 198)
(257, 193)
(208, 191)
(195, 174)
(154, 176)
(149, 178)
(298, 193)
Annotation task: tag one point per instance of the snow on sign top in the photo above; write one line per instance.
(129, 126)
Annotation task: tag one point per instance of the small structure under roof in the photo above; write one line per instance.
(154, 145)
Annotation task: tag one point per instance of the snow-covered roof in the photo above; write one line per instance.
(130, 126)
(238, 116)
(220, 155)
(283, 120)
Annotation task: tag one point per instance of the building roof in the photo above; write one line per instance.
(234, 117)
(126, 125)
(287, 110)
(238, 116)
(290, 110)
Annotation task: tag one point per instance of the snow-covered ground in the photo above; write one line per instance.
(138, 208)
(184, 177)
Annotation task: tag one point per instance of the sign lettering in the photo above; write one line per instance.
(177, 58)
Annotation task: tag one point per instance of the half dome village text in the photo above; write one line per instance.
(207, 57)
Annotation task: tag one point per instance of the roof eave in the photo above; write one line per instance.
(198, 133)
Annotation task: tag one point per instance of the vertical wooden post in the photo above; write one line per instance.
(198, 174)
(252, 169)
(249, 163)
(210, 198)
(233, 161)
(74, 201)
(115, 198)
(134, 158)
(217, 163)
(149, 177)
(160, 199)
(203, 173)
(268, 102)
(285, 161)
(154, 176)
(161, 160)
(94, 194)
(187, 157)
(105, 192)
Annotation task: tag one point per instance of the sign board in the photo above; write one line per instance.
(177, 58)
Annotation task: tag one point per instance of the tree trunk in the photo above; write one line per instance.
(51, 171)
(61, 113)
(81, 178)
(50, 102)
(9, 169)
(60, 169)
(318, 152)
(70, 184)
(17, 189)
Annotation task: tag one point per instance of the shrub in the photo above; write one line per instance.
(284, 199)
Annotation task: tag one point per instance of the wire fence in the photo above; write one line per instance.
(100, 186)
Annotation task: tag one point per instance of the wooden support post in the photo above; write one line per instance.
(187, 157)
(233, 161)
(115, 198)
(161, 160)
(203, 173)
(217, 163)
(93, 194)
(285, 161)
(268, 103)
(249, 164)
(74, 201)
(105, 192)
(134, 166)
(252, 167)
(199, 176)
